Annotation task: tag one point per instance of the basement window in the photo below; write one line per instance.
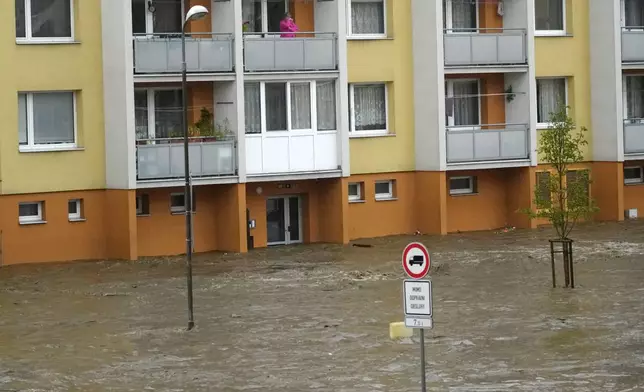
(142, 205)
(75, 210)
(633, 175)
(355, 191)
(384, 190)
(31, 212)
(178, 203)
(465, 185)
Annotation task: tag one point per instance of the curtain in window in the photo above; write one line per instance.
(466, 103)
(300, 105)
(550, 94)
(252, 108)
(252, 16)
(275, 106)
(549, 14)
(633, 13)
(168, 17)
(635, 97)
(370, 109)
(51, 18)
(463, 14)
(168, 116)
(22, 118)
(141, 114)
(367, 17)
(325, 98)
(53, 118)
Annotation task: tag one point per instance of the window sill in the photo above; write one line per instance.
(387, 199)
(46, 42)
(77, 220)
(633, 183)
(357, 201)
(554, 34)
(369, 38)
(40, 222)
(541, 126)
(464, 194)
(143, 215)
(49, 149)
(362, 134)
(183, 213)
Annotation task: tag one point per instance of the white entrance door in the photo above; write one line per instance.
(283, 220)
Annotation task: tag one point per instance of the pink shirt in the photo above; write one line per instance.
(288, 28)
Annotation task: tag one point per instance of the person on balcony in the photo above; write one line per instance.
(288, 28)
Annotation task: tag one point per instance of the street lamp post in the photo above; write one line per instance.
(196, 12)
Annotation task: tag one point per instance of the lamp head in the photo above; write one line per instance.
(196, 12)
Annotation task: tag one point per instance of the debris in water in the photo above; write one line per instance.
(363, 245)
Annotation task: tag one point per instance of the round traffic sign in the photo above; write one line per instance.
(415, 260)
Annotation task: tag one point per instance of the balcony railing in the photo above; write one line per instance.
(632, 44)
(304, 52)
(634, 136)
(490, 142)
(478, 47)
(161, 53)
(163, 158)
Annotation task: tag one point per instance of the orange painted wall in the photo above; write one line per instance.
(303, 14)
(492, 107)
(520, 184)
(201, 25)
(120, 221)
(58, 239)
(488, 17)
(200, 95)
(431, 202)
(230, 202)
(609, 191)
(373, 218)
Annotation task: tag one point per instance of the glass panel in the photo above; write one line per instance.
(168, 16)
(72, 207)
(275, 230)
(635, 97)
(28, 209)
(275, 13)
(51, 18)
(370, 108)
(252, 108)
(139, 10)
(354, 190)
(168, 116)
(549, 14)
(294, 218)
(325, 99)
(463, 15)
(550, 94)
(53, 118)
(460, 184)
(252, 16)
(633, 174)
(177, 202)
(22, 118)
(633, 13)
(20, 19)
(300, 106)
(466, 103)
(276, 106)
(141, 114)
(383, 188)
(367, 17)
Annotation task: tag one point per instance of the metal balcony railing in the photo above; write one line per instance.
(305, 52)
(633, 44)
(164, 159)
(487, 142)
(634, 136)
(464, 47)
(161, 53)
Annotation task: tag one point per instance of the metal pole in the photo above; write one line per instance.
(188, 190)
(423, 386)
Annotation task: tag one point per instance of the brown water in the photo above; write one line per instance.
(315, 318)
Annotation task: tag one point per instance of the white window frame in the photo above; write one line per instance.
(358, 196)
(28, 33)
(178, 209)
(449, 13)
(77, 216)
(31, 219)
(351, 35)
(546, 125)
(30, 146)
(264, 11)
(352, 112)
(462, 191)
(149, 19)
(625, 98)
(622, 17)
(384, 196)
(639, 180)
(550, 33)
(151, 107)
(449, 93)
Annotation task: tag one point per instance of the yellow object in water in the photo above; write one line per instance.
(398, 330)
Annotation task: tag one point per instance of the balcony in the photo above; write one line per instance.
(161, 53)
(634, 136)
(268, 52)
(632, 44)
(492, 142)
(485, 47)
(163, 159)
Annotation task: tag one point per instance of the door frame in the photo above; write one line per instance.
(287, 215)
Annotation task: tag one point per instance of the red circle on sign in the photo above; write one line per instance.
(411, 261)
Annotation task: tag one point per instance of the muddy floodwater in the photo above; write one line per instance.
(316, 318)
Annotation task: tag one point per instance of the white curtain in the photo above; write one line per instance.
(53, 118)
(367, 17)
(550, 94)
(300, 105)
(466, 103)
(22, 118)
(51, 18)
(463, 14)
(635, 97)
(633, 13)
(549, 14)
(275, 106)
(369, 106)
(141, 114)
(325, 98)
(252, 108)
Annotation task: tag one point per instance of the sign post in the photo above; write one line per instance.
(417, 294)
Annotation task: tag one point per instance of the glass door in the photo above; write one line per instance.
(283, 220)
(157, 16)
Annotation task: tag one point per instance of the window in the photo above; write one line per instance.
(550, 94)
(44, 20)
(543, 197)
(165, 17)
(367, 18)
(177, 203)
(158, 113)
(633, 175)
(75, 209)
(46, 120)
(384, 190)
(633, 13)
(369, 106)
(550, 16)
(143, 205)
(460, 16)
(31, 212)
(263, 15)
(355, 191)
(462, 185)
(462, 103)
(582, 176)
(634, 97)
(289, 106)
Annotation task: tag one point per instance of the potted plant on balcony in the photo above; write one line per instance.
(207, 130)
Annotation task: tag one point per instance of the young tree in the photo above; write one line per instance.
(561, 195)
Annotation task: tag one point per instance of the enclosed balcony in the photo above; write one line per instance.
(632, 31)
(634, 114)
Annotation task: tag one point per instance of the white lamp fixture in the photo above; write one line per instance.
(196, 12)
